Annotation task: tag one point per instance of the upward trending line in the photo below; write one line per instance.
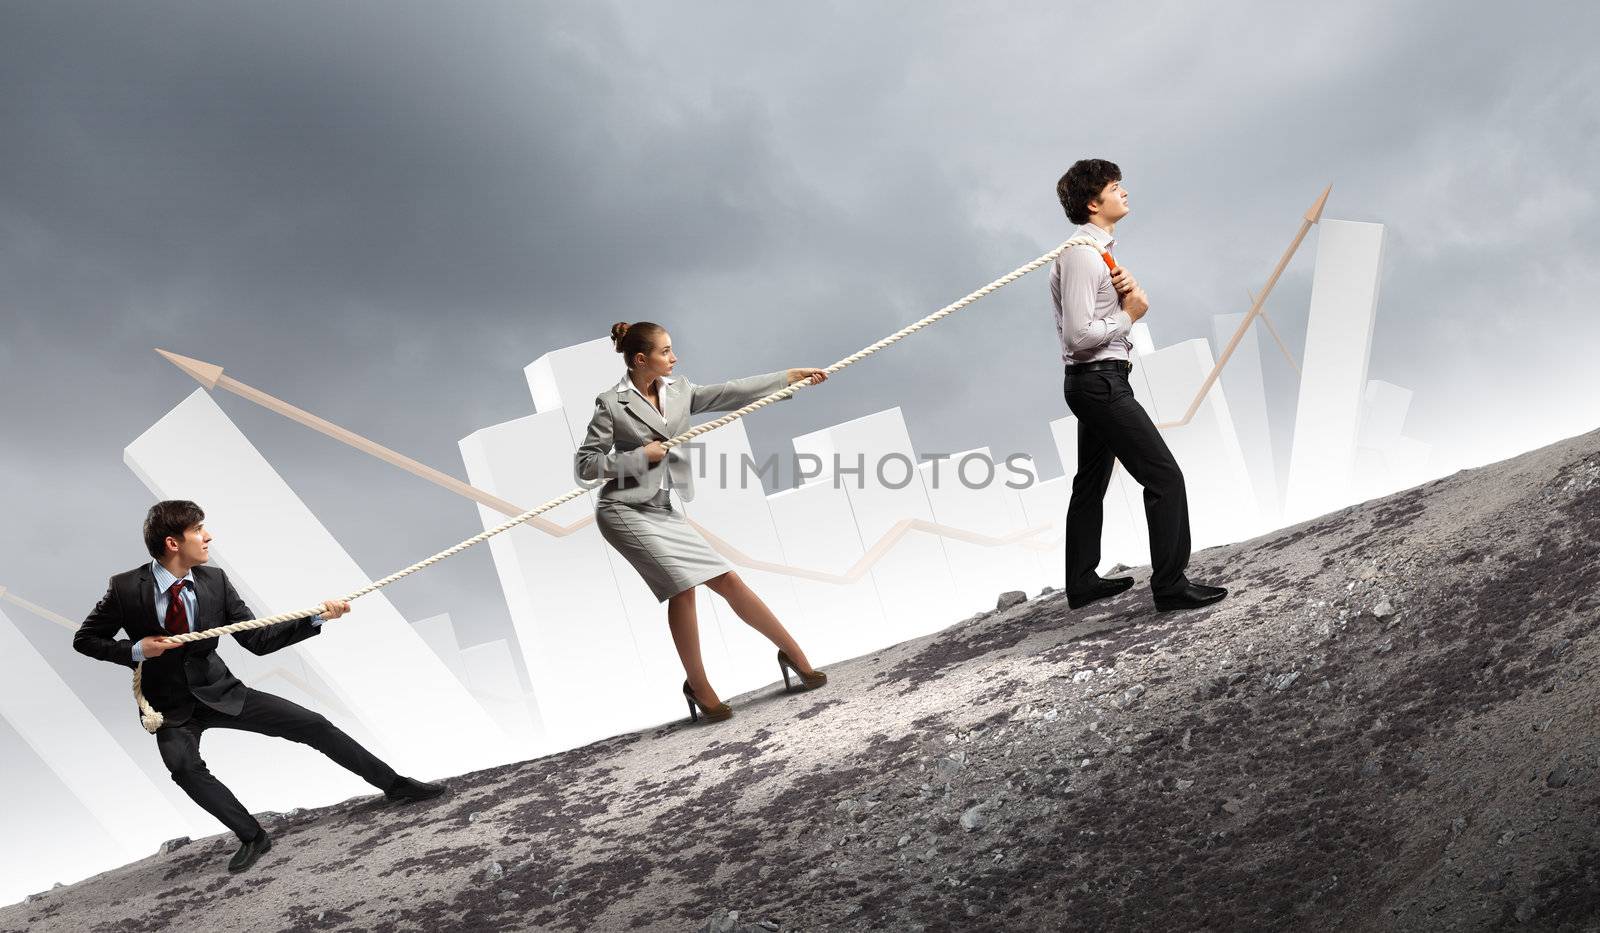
(1311, 217)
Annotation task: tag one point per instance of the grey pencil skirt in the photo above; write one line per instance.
(660, 544)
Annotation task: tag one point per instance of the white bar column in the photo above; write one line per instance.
(1344, 301)
(1245, 388)
(564, 595)
(54, 838)
(84, 759)
(1386, 460)
(818, 532)
(913, 577)
(492, 678)
(981, 571)
(1044, 502)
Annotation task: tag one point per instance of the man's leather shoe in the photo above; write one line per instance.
(1191, 596)
(405, 788)
(250, 851)
(1100, 590)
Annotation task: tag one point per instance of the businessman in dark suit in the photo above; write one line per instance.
(191, 686)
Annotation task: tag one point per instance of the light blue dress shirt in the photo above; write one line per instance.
(164, 581)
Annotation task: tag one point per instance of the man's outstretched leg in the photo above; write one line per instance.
(270, 715)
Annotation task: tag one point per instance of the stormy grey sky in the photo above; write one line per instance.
(381, 211)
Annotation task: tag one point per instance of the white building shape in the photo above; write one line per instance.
(818, 531)
(967, 491)
(1333, 380)
(872, 459)
(489, 672)
(1245, 387)
(1386, 460)
(573, 619)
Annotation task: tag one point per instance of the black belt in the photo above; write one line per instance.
(1121, 366)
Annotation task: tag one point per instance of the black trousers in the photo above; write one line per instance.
(265, 714)
(1113, 426)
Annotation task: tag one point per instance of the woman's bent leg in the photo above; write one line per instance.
(749, 607)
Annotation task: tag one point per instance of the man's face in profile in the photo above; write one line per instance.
(1111, 205)
(195, 548)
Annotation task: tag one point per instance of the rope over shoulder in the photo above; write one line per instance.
(152, 718)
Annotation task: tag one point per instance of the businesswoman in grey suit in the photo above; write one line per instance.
(623, 447)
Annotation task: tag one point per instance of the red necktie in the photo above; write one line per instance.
(177, 616)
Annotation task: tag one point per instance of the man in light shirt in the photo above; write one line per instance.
(188, 683)
(1095, 309)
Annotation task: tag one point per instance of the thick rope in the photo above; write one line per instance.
(151, 717)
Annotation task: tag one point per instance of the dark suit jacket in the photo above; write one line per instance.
(180, 676)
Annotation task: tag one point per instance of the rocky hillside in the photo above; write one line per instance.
(1389, 726)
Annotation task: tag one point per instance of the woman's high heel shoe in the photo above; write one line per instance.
(714, 714)
(809, 681)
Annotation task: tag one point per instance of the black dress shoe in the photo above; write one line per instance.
(405, 788)
(1100, 590)
(1191, 596)
(250, 851)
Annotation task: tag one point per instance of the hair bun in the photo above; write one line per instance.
(619, 330)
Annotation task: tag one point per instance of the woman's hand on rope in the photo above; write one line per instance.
(154, 645)
(815, 375)
(334, 608)
(654, 451)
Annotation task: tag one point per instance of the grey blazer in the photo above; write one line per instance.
(623, 423)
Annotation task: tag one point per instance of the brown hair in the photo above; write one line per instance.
(638, 337)
(169, 518)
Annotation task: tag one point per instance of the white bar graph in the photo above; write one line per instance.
(68, 739)
(967, 490)
(54, 838)
(877, 468)
(1386, 460)
(567, 598)
(818, 531)
(1245, 388)
(492, 679)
